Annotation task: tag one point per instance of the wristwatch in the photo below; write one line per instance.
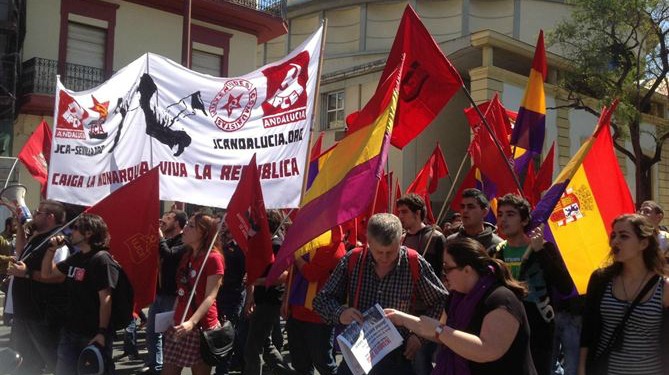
(438, 330)
(29, 274)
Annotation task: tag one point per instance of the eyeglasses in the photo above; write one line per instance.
(447, 269)
(38, 212)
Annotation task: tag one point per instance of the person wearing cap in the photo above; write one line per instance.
(90, 275)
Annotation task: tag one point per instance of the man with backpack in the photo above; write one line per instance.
(38, 303)
(386, 273)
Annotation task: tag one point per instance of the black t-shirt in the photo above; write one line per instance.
(233, 278)
(517, 360)
(33, 299)
(273, 294)
(171, 250)
(86, 275)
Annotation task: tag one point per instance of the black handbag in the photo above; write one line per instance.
(600, 364)
(216, 344)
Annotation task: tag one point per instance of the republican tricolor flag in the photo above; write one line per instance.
(530, 127)
(346, 184)
(583, 201)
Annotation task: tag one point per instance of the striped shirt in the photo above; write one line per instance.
(394, 290)
(640, 351)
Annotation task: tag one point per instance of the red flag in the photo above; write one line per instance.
(247, 222)
(134, 232)
(36, 152)
(485, 154)
(545, 174)
(398, 194)
(429, 80)
(468, 182)
(528, 185)
(428, 177)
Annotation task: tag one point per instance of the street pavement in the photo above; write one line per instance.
(124, 365)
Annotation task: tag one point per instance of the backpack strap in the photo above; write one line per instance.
(414, 265)
(354, 259)
(359, 255)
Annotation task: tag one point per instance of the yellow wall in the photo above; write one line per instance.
(139, 29)
(42, 30)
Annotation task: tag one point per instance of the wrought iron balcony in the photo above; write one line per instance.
(39, 76)
(276, 8)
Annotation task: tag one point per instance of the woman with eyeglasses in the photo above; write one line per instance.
(90, 274)
(626, 316)
(485, 329)
(182, 342)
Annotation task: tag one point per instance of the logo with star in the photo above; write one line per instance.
(232, 106)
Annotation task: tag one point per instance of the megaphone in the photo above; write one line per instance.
(14, 196)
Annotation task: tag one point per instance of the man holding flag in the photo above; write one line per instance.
(537, 263)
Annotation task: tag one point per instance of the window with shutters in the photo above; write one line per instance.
(86, 46)
(207, 62)
(209, 51)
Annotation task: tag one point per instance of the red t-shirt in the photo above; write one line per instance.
(186, 274)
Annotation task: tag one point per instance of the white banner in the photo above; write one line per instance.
(200, 130)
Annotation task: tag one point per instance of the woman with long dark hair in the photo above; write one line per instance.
(90, 274)
(182, 342)
(485, 330)
(626, 317)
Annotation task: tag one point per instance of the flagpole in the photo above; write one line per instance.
(446, 201)
(494, 138)
(317, 94)
(452, 188)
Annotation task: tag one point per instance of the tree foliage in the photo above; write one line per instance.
(620, 49)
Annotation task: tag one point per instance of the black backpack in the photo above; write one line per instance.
(123, 298)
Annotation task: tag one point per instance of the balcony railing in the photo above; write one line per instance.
(277, 8)
(39, 76)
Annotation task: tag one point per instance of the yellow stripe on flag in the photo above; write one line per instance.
(355, 149)
(534, 99)
(311, 246)
(584, 242)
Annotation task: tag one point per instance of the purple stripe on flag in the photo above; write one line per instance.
(298, 287)
(520, 163)
(345, 201)
(312, 173)
(546, 205)
(529, 130)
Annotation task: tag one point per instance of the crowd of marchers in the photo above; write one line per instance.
(468, 297)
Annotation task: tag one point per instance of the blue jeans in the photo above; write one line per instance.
(130, 339)
(70, 346)
(37, 342)
(392, 364)
(422, 361)
(567, 339)
(310, 345)
(261, 324)
(154, 341)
